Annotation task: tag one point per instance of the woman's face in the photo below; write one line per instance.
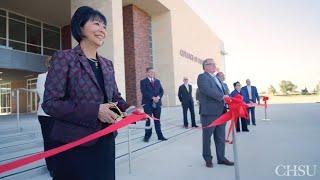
(238, 87)
(94, 31)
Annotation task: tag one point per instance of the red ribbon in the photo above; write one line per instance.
(237, 108)
(136, 116)
(265, 104)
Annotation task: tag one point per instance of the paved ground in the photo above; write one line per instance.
(290, 138)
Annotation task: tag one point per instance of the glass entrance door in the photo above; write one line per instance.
(5, 98)
(32, 98)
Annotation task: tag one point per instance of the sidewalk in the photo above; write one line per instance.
(290, 138)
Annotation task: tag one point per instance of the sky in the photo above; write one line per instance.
(267, 40)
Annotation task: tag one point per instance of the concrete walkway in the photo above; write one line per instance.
(290, 138)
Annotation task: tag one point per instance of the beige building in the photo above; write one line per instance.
(165, 34)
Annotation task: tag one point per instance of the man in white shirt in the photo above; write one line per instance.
(250, 95)
(46, 121)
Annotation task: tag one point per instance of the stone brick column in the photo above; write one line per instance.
(137, 50)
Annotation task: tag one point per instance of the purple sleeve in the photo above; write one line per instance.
(56, 101)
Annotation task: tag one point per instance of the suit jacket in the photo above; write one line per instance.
(254, 92)
(148, 91)
(210, 95)
(73, 95)
(185, 96)
(226, 88)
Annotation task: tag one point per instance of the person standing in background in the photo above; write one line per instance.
(152, 93)
(250, 95)
(223, 78)
(186, 99)
(46, 121)
(236, 91)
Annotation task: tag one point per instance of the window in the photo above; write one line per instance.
(32, 98)
(16, 30)
(17, 45)
(27, 34)
(5, 98)
(16, 34)
(2, 12)
(51, 39)
(33, 36)
(3, 27)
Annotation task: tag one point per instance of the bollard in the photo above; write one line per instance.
(18, 111)
(235, 156)
(129, 144)
(265, 115)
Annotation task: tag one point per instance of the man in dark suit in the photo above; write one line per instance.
(250, 95)
(152, 93)
(211, 95)
(223, 78)
(185, 97)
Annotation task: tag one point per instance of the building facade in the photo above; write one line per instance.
(167, 35)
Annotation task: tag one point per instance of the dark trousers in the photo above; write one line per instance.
(46, 124)
(218, 133)
(253, 116)
(96, 162)
(156, 112)
(185, 107)
(244, 125)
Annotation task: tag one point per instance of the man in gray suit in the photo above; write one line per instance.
(211, 95)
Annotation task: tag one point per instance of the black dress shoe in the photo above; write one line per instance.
(226, 162)
(246, 130)
(162, 139)
(185, 126)
(209, 164)
(146, 139)
(195, 126)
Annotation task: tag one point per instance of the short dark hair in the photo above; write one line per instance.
(82, 15)
(204, 63)
(235, 84)
(148, 69)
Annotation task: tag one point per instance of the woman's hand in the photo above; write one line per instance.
(105, 115)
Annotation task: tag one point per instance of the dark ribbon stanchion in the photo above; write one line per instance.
(134, 117)
(237, 109)
(265, 104)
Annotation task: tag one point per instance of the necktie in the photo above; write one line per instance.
(219, 84)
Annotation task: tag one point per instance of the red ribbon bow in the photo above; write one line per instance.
(237, 108)
(265, 99)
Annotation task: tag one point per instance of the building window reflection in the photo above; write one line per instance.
(26, 34)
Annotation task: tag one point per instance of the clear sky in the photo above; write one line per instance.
(267, 40)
